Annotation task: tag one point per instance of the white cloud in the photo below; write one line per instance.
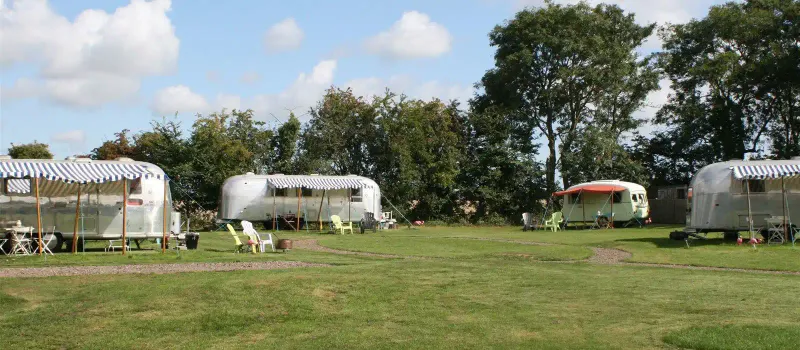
(302, 94)
(398, 84)
(97, 58)
(250, 78)
(72, 137)
(414, 35)
(179, 99)
(285, 35)
(228, 102)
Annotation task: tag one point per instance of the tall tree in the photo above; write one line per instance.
(121, 146)
(284, 146)
(33, 150)
(558, 67)
(340, 136)
(255, 137)
(736, 79)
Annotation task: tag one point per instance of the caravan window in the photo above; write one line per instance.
(280, 192)
(135, 186)
(681, 193)
(617, 197)
(633, 198)
(306, 192)
(642, 198)
(355, 195)
(756, 186)
(575, 198)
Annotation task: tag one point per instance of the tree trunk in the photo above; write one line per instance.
(551, 165)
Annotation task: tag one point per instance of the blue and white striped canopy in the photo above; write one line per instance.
(316, 182)
(61, 178)
(760, 172)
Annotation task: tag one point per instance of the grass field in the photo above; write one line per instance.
(455, 292)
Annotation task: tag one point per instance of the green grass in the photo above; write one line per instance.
(450, 247)
(465, 294)
(394, 304)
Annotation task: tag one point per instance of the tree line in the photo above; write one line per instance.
(567, 79)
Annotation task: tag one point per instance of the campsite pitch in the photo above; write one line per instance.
(449, 288)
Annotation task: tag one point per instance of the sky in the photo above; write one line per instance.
(74, 72)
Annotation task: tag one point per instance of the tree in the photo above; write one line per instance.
(596, 154)
(113, 149)
(33, 150)
(736, 80)
(339, 138)
(255, 137)
(284, 146)
(560, 67)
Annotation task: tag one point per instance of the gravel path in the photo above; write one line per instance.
(609, 256)
(312, 244)
(150, 268)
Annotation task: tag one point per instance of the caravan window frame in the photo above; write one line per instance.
(756, 186)
(356, 195)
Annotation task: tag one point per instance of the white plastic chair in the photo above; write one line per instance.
(248, 229)
(2, 243)
(20, 243)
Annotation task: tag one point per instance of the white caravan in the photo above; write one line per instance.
(257, 198)
(718, 201)
(587, 201)
(100, 209)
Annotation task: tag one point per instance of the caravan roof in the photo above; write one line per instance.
(601, 186)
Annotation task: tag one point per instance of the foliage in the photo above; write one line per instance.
(33, 150)
(284, 146)
(558, 68)
(119, 147)
(595, 154)
(736, 82)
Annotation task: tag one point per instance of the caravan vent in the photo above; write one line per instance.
(82, 160)
(123, 159)
(70, 158)
(314, 174)
(250, 173)
(5, 157)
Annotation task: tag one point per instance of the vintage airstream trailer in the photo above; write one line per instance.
(718, 195)
(260, 198)
(589, 201)
(100, 214)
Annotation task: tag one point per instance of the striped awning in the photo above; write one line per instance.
(760, 172)
(63, 179)
(316, 182)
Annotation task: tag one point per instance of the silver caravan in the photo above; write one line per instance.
(100, 214)
(257, 198)
(718, 198)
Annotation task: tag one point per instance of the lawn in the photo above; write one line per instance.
(460, 293)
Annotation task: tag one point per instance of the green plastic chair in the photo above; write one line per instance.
(554, 223)
(339, 226)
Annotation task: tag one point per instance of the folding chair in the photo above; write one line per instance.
(46, 243)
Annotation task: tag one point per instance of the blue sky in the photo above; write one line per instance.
(74, 72)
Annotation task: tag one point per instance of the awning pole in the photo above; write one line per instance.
(274, 211)
(125, 214)
(38, 215)
(349, 203)
(749, 212)
(75, 227)
(164, 228)
(319, 216)
(783, 206)
(583, 205)
(299, 198)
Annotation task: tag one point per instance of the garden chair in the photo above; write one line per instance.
(45, 243)
(240, 247)
(339, 226)
(554, 223)
(248, 229)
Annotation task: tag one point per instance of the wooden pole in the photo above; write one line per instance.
(38, 215)
(319, 215)
(749, 212)
(124, 214)
(349, 203)
(299, 196)
(274, 210)
(164, 228)
(75, 227)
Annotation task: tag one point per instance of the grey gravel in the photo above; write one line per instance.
(150, 268)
